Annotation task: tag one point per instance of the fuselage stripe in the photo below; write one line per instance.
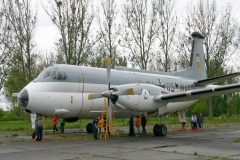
(81, 91)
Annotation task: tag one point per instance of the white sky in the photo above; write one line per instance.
(46, 32)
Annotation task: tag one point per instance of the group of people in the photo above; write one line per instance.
(55, 122)
(137, 123)
(197, 121)
(98, 125)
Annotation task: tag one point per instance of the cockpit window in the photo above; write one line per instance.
(47, 74)
(64, 75)
(53, 75)
(58, 75)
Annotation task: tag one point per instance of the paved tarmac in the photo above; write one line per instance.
(207, 144)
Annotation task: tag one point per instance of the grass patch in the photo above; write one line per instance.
(15, 135)
(121, 122)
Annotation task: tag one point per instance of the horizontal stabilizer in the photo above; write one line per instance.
(213, 90)
(217, 79)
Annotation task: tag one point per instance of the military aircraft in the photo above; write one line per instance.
(76, 92)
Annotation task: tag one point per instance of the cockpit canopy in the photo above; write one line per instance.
(61, 75)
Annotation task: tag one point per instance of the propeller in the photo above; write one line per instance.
(112, 93)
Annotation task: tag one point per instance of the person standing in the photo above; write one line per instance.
(95, 127)
(191, 121)
(201, 120)
(54, 123)
(100, 125)
(62, 124)
(143, 123)
(138, 124)
(195, 121)
(130, 125)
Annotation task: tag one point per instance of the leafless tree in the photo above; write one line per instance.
(167, 27)
(5, 55)
(138, 31)
(73, 19)
(106, 19)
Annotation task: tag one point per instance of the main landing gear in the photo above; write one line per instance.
(160, 130)
(89, 128)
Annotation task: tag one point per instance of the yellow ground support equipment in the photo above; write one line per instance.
(108, 129)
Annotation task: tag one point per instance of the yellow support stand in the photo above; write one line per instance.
(108, 129)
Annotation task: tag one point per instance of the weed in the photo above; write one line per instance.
(15, 135)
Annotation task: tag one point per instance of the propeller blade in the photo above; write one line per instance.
(108, 64)
(94, 96)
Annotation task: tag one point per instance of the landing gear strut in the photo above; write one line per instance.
(160, 130)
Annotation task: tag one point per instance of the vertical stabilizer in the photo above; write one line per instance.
(197, 68)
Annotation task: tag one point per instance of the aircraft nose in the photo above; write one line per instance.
(23, 98)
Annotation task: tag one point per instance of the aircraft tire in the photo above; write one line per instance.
(89, 128)
(156, 130)
(162, 130)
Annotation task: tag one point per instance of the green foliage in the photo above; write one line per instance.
(1, 113)
(14, 84)
(15, 114)
(199, 108)
(234, 105)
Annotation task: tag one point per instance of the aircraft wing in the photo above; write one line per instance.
(197, 94)
(217, 79)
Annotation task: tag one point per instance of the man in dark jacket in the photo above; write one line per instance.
(131, 125)
(143, 123)
(95, 127)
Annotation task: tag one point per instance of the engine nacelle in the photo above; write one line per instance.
(142, 99)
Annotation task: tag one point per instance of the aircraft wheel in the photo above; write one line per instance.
(162, 130)
(89, 128)
(33, 134)
(156, 130)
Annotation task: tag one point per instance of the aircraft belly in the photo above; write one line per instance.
(176, 106)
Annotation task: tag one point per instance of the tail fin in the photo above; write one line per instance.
(197, 68)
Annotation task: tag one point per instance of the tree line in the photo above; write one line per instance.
(148, 34)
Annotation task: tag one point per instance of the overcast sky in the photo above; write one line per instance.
(46, 33)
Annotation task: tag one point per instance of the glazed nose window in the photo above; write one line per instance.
(23, 98)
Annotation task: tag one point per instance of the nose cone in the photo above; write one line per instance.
(23, 98)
